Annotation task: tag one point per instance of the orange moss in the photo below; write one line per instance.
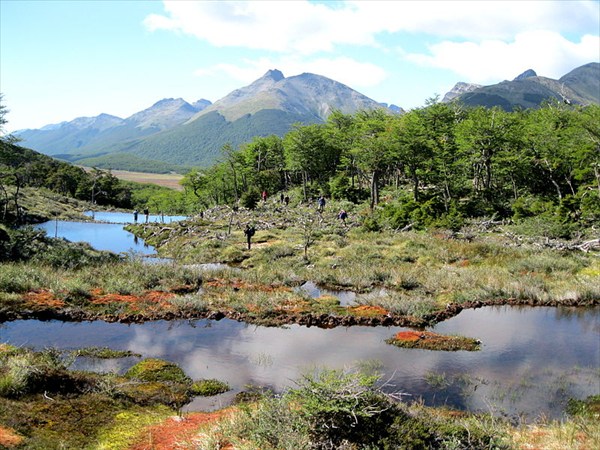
(177, 432)
(433, 341)
(9, 438)
(368, 311)
(408, 335)
(43, 298)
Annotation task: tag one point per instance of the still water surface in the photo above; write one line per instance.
(107, 233)
(532, 359)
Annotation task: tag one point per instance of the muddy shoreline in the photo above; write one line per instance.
(282, 318)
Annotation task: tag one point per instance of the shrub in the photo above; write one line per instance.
(338, 408)
(250, 198)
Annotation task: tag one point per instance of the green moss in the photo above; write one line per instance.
(127, 427)
(209, 387)
(155, 392)
(587, 407)
(104, 353)
(157, 370)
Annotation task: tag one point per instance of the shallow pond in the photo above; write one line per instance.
(101, 236)
(532, 359)
(107, 233)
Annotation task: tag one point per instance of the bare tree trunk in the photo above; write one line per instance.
(374, 188)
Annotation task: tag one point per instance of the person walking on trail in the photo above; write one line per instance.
(264, 196)
(343, 215)
(249, 232)
(286, 200)
(321, 203)
(146, 213)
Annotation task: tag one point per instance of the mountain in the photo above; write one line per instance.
(308, 95)
(459, 89)
(528, 90)
(176, 132)
(89, 135)
(270, 105)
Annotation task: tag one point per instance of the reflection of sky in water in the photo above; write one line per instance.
(121, 217)
(528, 357)
(346, 298)
(101, 236)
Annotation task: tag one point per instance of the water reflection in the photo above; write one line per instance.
(346, 298)
(531, 361)
(101, 236)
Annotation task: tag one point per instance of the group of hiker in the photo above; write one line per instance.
(136, 213)
(250, 230)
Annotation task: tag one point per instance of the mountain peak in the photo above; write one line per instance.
(527, 74)
(274, 74)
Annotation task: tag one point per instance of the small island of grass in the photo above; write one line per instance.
(428, 340)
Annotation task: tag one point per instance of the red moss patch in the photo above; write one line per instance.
(368, 311)
(158, 297)
(409, 336)
(177, 432)
(43, 298)
(432, 341)
(9, 438)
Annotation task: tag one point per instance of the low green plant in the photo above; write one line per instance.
(153, 369)
(209, 387)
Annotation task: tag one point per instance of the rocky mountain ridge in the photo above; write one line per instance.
(175, 132)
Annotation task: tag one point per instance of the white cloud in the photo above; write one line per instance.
(306, 28)
(546, 52)
(277, 26)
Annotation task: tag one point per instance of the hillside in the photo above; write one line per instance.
(89, 136)
(176, 133)
(528, 90)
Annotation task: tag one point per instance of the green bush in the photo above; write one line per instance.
(250, 198)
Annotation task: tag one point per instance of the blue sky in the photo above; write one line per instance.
(65, 59)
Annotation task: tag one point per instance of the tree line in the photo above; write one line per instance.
(440, 163)
(436, 165)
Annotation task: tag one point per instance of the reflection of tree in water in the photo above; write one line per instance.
(587, 317)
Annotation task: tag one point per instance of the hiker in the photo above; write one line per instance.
(249, 232)
(343, 215)
(321, 203)
(264, 196)
(281, 198)
(286, 200)
(146, 213)
(135, 215)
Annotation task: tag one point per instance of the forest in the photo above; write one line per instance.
(434, 166)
